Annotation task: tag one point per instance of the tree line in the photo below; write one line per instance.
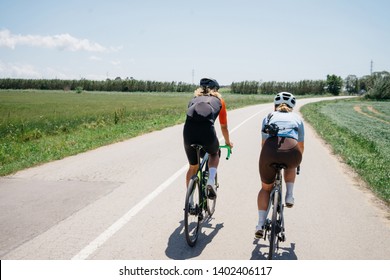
(300, 88)
(375, 86)
(126, 85)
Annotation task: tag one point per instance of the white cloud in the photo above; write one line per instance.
(115, 62)
(28, 71)
(18, 70)
(95, 58)
(61, 42)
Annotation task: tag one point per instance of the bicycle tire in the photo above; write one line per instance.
(273, 238)
(212, 202)
(192, 211)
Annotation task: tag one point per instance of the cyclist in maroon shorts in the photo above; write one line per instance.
(282, 142)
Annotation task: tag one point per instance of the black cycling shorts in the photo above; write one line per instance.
(278, 150)
(202, 133)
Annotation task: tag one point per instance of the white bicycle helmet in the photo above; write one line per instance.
(285, 97)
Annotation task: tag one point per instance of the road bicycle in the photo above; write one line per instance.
(198, 205)
(274, 225)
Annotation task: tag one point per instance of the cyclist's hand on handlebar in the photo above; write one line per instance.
(230, 144)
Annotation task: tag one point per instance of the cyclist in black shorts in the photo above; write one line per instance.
(205, 107)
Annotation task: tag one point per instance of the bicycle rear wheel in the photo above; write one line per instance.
(192, 211)
(273, 237)
(212, 202)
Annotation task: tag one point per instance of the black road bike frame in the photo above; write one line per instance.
(197, 204)
(274, 225)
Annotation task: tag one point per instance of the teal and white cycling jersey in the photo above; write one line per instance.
(290, 125)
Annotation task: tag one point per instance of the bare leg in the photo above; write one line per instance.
(262, 205)
(289, 175)
(213, 164)
(289, 178)
(263, 196)
(191, 172)
(213, 160)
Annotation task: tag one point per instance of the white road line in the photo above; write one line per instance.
(248, 119)
(115, 227)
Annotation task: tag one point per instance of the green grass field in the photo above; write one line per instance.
(359, 131)
(40, 126)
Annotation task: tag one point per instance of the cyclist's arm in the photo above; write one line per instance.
(223, 122)
(264, 135)
(223, 114)
(225, 133)
(301, 146)
(301, 136)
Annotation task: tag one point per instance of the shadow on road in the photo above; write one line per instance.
(260, 252)
(178, 248)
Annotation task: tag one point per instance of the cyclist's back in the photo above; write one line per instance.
(289, 125)
(204, 109)
(199, 128)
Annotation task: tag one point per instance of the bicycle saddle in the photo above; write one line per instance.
(197, 146)
(279, 166)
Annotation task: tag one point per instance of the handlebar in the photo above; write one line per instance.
(229, 150)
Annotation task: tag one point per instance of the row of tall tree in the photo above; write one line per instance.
(333, 84)
(273, 87)
(376, 85)
(127, 85)
(353, 84)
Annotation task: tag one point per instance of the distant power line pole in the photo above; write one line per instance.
(372, 63)
(193, 75)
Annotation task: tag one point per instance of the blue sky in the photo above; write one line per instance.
(175, 40)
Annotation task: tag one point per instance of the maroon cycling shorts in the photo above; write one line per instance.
(278, 150)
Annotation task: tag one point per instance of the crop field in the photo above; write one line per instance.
(359, 131)
(40, 126)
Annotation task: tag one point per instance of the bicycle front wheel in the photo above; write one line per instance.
(192, 211)
(273, 237)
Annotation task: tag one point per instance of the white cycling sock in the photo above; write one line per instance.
(262, 217)
(289, 189)
(212, 173)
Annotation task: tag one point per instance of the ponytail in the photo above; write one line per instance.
(284, 108)
(207, 92)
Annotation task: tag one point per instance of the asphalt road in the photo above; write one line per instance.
(125, 201)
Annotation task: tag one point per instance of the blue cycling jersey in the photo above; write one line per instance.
(290, 125)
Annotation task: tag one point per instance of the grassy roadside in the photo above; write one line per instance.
(359, 131)
(41, 126)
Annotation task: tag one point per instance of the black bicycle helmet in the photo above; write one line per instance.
(209, 83)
